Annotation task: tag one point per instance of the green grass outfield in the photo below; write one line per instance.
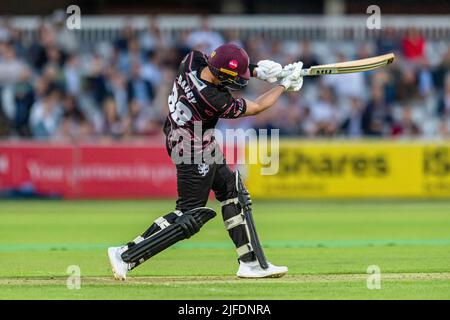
(327, 246)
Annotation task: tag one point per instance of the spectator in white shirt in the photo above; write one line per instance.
(10, 66)
(72, 75)
(151, 70)
(324, 114)
(46, 114)
(348, 85)
(204, 39)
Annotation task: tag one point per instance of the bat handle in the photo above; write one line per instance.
(303, 73)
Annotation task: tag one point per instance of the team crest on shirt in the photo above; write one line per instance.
(203, 169)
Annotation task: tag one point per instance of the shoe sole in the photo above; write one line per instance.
(116, 275)
(274, 275)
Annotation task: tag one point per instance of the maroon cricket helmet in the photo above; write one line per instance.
(229, 63)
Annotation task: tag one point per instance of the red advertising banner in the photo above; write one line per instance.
(116, 170)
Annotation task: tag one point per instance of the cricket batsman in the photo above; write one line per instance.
(200, 96)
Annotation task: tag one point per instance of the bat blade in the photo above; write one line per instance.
(350, 66)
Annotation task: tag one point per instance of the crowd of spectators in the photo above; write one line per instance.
(54, 87)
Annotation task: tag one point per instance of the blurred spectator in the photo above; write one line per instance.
(54, 76)
(4, 125)
(258, 49)
(65, 38)
(444, 129)
(324, 114)
(141, 121)
(10, 65)
(443, 109)
(127, 32)
(113, 125)
(5, 32)
(406, 126)
(425, 79)
(181, 43)
(74, 124)
(276, 53)
(139, 89)
(387, 81)
(46, 114)
(407, 86)
(23, 101)
(126, 58)
(151, 69)
(55, 56)
(38, 49)
(388, 41)
(377, 118)
(352, 126)
(440, 72)
(347, 85)
(290, 112)
(364, 51)
(117, 89)
(234, 36)
(96, 83)
(40, 88)
(204, 39)
(307, 56)
(14, 38)
(413, 45)
(152, 39)
(72, 76)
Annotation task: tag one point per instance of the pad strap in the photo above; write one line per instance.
(243, 250)
(234, 221)
(162, 223)
(229, 201)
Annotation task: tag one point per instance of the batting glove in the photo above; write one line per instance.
(293, 80)
(268, 70)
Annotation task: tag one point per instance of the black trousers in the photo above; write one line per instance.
(195, 181)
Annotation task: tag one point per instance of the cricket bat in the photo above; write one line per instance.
(349, 66)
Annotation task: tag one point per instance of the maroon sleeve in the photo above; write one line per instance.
(224, 104)
(235, 108)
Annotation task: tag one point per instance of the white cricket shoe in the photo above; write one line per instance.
(119, 267)
(253, 270)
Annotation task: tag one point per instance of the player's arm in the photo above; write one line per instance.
(292, 82)
(231, 108)
(263, 102)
